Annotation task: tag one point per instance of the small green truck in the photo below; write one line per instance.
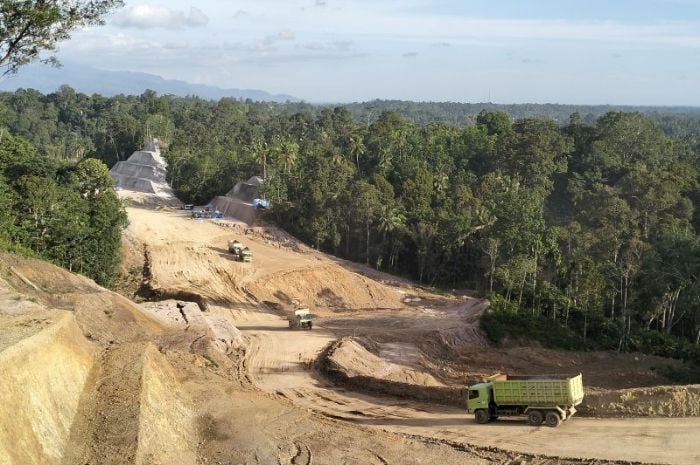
(301, 319)
(239, 251)
(550, 399)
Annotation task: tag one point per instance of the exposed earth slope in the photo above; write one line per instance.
(206, 370)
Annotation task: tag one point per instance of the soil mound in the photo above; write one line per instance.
(236, 209)
(350, 363)
(659, 401)
(325, 286)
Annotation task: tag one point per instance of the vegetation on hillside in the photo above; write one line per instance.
(67, 213)
(586, 228)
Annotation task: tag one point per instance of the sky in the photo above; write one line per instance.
(634, 52)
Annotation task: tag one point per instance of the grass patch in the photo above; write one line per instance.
(210, 361)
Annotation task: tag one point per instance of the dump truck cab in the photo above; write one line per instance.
(480, 396)
(239, 251)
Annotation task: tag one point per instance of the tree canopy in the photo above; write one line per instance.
(29, 28)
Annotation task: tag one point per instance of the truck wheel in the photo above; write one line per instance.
(535, 417)
(481, 416)
(552, 419)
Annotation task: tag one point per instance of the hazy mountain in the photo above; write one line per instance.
(90, 80)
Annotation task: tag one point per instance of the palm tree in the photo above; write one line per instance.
(288, 152)
(356, 146)
(260, 149)
(385, 159)
(391, 220)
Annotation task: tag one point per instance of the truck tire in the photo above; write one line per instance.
(535, 417)
(481, 416)
(552, 419)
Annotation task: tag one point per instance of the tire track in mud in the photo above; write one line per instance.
(303, 454)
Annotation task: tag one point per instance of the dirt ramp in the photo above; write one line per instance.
(167, 430)
(329, 286)
(348, 362)
(141, 414)
(196, 273)
(43, 378)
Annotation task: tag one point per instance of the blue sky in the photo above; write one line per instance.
(508, 51)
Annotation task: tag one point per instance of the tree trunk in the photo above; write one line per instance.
(347, 241)
(367, 248)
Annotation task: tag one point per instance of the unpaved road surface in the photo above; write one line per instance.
(187, 256)
(279, 363)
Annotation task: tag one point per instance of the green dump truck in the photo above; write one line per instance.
(302, 319)
(550, 399)
(239, 251)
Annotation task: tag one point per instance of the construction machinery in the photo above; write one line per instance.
(240, 252)
(301, 319)
(544, 398)
(204, 212)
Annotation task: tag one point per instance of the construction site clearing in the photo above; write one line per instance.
(194, 360)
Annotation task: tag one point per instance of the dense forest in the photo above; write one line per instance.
(583, 233)
(66, 212)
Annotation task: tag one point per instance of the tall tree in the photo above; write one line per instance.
(31, 27)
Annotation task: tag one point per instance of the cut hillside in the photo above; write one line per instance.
(91, 378)
(144, 171)
(188, 259)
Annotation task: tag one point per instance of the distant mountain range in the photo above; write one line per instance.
(88, 80)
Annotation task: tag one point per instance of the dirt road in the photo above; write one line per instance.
(279, 361)
(189, 256)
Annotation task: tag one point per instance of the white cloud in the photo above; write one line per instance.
(155, 16)
(285, 35)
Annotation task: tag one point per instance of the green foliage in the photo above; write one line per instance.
(584, 226)
(505, 320)
(31, 27)
(68, 214)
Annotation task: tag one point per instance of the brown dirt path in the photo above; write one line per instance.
(279, 361)
(189, 255)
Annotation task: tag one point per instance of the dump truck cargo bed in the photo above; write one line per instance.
(564, 390)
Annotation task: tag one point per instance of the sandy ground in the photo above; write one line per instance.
(208, 371)
(279, 361)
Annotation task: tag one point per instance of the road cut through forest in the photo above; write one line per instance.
(189, 257)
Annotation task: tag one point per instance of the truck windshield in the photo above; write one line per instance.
(473, 393)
